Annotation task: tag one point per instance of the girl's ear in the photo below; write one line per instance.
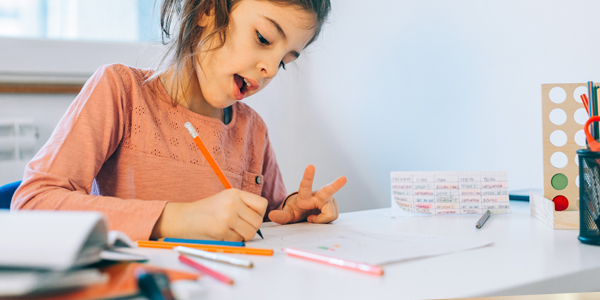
(207, 18)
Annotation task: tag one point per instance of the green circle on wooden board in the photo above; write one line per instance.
(559, 181)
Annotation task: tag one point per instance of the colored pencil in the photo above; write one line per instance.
(209, 248)
(214, 256)
(591, 103)
(210, 159)
(595, 95)
(203, 242)
(207, 155)
(342, 263)
(212, 273)
(594, 108)
(584, 99)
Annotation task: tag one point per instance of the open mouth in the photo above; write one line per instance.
(242, 84)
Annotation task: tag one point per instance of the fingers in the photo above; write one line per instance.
(255, 202)
(329, 213)
(329, 190)
(281, 216)
(251, 217)
(244, 229)
(239, 214)
(232, 236)
(305, 190)
(327, 203)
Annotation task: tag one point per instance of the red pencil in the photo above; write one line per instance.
(584, 99)
(214, 274)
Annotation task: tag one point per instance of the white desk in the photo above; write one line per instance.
(527, 257)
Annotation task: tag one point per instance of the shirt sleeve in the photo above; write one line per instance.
(273, 188)
(61, 175)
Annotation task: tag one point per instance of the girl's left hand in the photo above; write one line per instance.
(315, 207)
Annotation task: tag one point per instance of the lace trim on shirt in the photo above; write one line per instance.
(236, 160)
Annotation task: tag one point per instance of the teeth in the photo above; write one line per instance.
(247, 83)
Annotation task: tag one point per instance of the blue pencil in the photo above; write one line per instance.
(596, 128)
(591, 106)
(205, 242)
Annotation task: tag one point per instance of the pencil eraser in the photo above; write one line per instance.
(191, 129)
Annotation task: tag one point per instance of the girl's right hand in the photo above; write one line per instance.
(231, 215)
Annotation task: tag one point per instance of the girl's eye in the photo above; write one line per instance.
(261, 39)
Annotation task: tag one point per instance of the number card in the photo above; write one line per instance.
(450, 192)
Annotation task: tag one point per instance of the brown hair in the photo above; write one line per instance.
(184, 41)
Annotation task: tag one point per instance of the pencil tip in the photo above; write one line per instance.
(259, 233)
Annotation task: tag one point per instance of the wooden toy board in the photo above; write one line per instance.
(543, 209)
(563, 117)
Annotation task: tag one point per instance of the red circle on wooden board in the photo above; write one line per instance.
(560, 203)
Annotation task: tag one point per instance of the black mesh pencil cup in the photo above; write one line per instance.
(589, 196)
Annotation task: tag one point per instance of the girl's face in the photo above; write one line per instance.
(261, 39)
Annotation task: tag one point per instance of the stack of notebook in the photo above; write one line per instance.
(44, 251)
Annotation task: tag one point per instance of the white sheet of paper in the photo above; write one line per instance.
(367, 246)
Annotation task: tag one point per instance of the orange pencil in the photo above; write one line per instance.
(210, 159)
(210, 248)
(206, 154)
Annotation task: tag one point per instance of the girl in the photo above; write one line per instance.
(122, 149)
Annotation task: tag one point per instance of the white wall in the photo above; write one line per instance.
(58, 62)
(45, 110)
(428, 85)
(425, 85)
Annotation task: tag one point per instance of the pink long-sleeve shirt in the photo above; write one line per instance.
(122, 149)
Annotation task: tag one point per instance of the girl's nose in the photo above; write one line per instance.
(268, 69)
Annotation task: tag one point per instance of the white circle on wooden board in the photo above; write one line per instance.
(577, 181)
(558, 138)
(557, 95)
(580, 138)
(577, 159)
(558, 116)
(559, 160)
(581, 116)
(580, 90)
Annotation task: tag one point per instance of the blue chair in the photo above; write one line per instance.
(6, 193)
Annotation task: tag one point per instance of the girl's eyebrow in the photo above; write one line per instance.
(276, 25)
(281, 32)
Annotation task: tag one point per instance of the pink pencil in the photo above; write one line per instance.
(371, 269)
(214, 274)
